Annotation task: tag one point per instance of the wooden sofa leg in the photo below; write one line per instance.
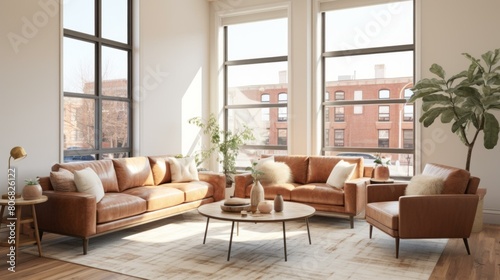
(371, 230)
(85, 245)
(351, 219)
(397, 247)
(467, 246)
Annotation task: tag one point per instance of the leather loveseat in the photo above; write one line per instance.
(137, 190)
(308, 185)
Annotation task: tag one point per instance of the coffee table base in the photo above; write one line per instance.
(232, 230)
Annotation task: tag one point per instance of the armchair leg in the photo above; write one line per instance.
(467, 246)
(351, 219)
(397, 247)
(371, 230)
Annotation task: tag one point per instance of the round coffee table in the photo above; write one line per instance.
(291, 211)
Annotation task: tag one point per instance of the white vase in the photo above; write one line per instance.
(256, 196)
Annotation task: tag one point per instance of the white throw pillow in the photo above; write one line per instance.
(274, 172)
(87, 181)
(341, 172)
(424, 185)
(183, 169)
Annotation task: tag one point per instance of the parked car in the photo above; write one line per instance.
(368, 159)
(78, 158)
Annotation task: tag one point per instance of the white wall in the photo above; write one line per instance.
(174, 40)
(29, 86)
(448, 29)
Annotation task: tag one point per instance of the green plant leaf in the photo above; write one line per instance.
(447, 116)
(491, 129)
(462, 74)
(437, 70)
(428, 117)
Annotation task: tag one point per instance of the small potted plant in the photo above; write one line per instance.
(32, 189)
(381, 171)
(222, 142)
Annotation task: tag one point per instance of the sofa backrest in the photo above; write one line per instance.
(298, 166)
(160, 167)
(456, 180)
(104, 169)
(320, 167)
(133, 172)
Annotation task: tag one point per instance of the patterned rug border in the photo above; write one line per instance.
(172, 249)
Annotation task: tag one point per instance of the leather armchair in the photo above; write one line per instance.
(446, 215)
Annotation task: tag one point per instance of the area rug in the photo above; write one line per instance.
(173, 249)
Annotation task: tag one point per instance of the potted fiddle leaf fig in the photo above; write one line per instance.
(464, 100)
(224, 143)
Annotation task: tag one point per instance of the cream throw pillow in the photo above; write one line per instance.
(424, 185)
(63, 180)
(274, 172)
(183, 169)
(341, 172)
(87, 181)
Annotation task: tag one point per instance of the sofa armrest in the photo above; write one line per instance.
(68, 213)
(355, 195)
(384, 192)
(437, 216)
(217, 180)
(241, 182)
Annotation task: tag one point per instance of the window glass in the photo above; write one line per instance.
(258, 39)
(79, 123)
(79, 69)
(114, 72)
(79, 16)
(384, 94)
(114, 20)
(370, 26)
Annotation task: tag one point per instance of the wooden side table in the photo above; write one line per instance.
(14, 220)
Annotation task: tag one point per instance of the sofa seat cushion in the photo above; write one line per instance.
(318, 193)
(271, 190)
(195, 190)
(115, 206)
(385, 212)
(158, 197)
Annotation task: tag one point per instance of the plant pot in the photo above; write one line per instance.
(381, 173)
(31, 192)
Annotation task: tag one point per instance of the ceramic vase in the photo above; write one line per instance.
(278, 203)
(31, 192)
(381, 173)
(265, 207)
(256, 196)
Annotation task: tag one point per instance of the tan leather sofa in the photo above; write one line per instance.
(446, 215)
(308, 185)
(138, 190)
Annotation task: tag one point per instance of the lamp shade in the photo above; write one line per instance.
(18, 153)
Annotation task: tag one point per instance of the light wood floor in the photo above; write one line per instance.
(454, 263)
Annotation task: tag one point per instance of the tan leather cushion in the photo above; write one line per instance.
(318, 193)
(158, 197)
(455, 179)
(161, 169)
(298, 166)
(133, 172)
(115, 206)
(103, 168)
(195, 190)
(386, 213)
(63, 180)
(320, 167)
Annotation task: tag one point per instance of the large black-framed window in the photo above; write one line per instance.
(256, 84)
(368, 54)
(97, 79)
